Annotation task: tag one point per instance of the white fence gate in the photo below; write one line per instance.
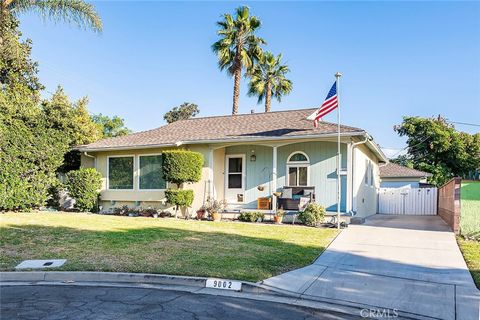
(408, 201)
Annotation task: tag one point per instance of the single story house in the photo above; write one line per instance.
(393, 175)
(247, 157)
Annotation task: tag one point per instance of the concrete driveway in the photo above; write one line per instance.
(409, 265)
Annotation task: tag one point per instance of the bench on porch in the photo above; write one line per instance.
(286, 202)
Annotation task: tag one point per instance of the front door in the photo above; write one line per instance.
(235, 178)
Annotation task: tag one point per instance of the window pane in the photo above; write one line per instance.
(302, 176)
(298, 157)
(234, 181)
(120, 173)
(151, 175)
(292, 176)
(234, 165)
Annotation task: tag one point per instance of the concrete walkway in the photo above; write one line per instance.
(409, 264)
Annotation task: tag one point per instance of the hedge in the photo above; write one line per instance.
(180, 198)
(83, 186)
(182, 166)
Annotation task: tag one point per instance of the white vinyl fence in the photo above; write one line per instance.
(408, 201)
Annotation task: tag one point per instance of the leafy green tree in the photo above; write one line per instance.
(71, 118)
(111, 126)
(30, 150)
(267, 79)
(435, 146)
(77, 12)
(183, 112)
(16, 66)
(238, 46)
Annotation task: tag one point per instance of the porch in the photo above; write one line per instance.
(243, 174)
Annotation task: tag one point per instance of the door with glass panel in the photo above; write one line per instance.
(235, 178)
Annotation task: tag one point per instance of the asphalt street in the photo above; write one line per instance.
(84, 302)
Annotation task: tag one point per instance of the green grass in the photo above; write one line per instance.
(245, 251)
(471, 252)
(470, 209)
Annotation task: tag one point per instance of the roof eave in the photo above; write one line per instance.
(210, 141)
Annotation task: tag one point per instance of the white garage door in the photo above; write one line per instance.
(408, 201)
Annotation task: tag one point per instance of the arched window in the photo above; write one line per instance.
(298, 169)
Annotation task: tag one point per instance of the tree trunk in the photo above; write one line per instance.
(268, 97)
(236, 89)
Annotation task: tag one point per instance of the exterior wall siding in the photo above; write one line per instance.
(143, 198)
(322, 156)
(364, 195)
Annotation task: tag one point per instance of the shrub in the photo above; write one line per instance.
(312, 215)
(83, 186)
(251, 216)
(212, 205)
(181, 166)
(179, 198)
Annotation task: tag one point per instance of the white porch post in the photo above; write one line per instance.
(211, 185)
(274, 177)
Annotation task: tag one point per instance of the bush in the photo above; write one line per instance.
(179, 198)
(312, 215)
(181, 166)
(83, 186)
(251, 216)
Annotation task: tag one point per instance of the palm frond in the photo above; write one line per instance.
(78, 12)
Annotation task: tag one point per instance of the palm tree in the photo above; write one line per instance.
(71, 11)
(238, 47)
(267, 79)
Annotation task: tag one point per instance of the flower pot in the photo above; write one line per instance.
(216, 216)
(277, 219)
(200, 214)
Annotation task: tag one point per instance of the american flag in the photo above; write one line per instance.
(330, 103)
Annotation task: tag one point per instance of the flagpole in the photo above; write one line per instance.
(339, 187)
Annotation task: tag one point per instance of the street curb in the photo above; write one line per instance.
(250, 290)
(121, 277)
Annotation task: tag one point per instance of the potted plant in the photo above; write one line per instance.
(201, 213)
(213, 207)
(278, 217)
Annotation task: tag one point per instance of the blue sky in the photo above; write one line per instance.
(397, 58)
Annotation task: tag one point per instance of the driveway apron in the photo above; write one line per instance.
(407, 263)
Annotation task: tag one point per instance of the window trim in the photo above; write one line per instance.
(293, 165)
(139, 169)
(297, 164)
(228, 156)
(301, 152)
(133, 171)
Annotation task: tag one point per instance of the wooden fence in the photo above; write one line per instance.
(449, 203)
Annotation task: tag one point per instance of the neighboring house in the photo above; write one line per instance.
(393, 175)
(247, 157)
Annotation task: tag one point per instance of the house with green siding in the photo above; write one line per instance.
(248, 158)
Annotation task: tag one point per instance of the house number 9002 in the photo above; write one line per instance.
(223, 284)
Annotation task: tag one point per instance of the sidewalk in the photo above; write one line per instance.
(407, 263)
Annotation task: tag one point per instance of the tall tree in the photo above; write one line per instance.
(435, 146)
(185, 111)
(77, 12)
(238, 46)
(267, 79)
(111, 126)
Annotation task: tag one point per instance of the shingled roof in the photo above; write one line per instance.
(393, 170)
(245, 127)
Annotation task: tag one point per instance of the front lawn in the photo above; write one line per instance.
(471, 252)
(246, 251)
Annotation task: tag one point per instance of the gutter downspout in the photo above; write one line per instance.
(352, 150)
(90, 156)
